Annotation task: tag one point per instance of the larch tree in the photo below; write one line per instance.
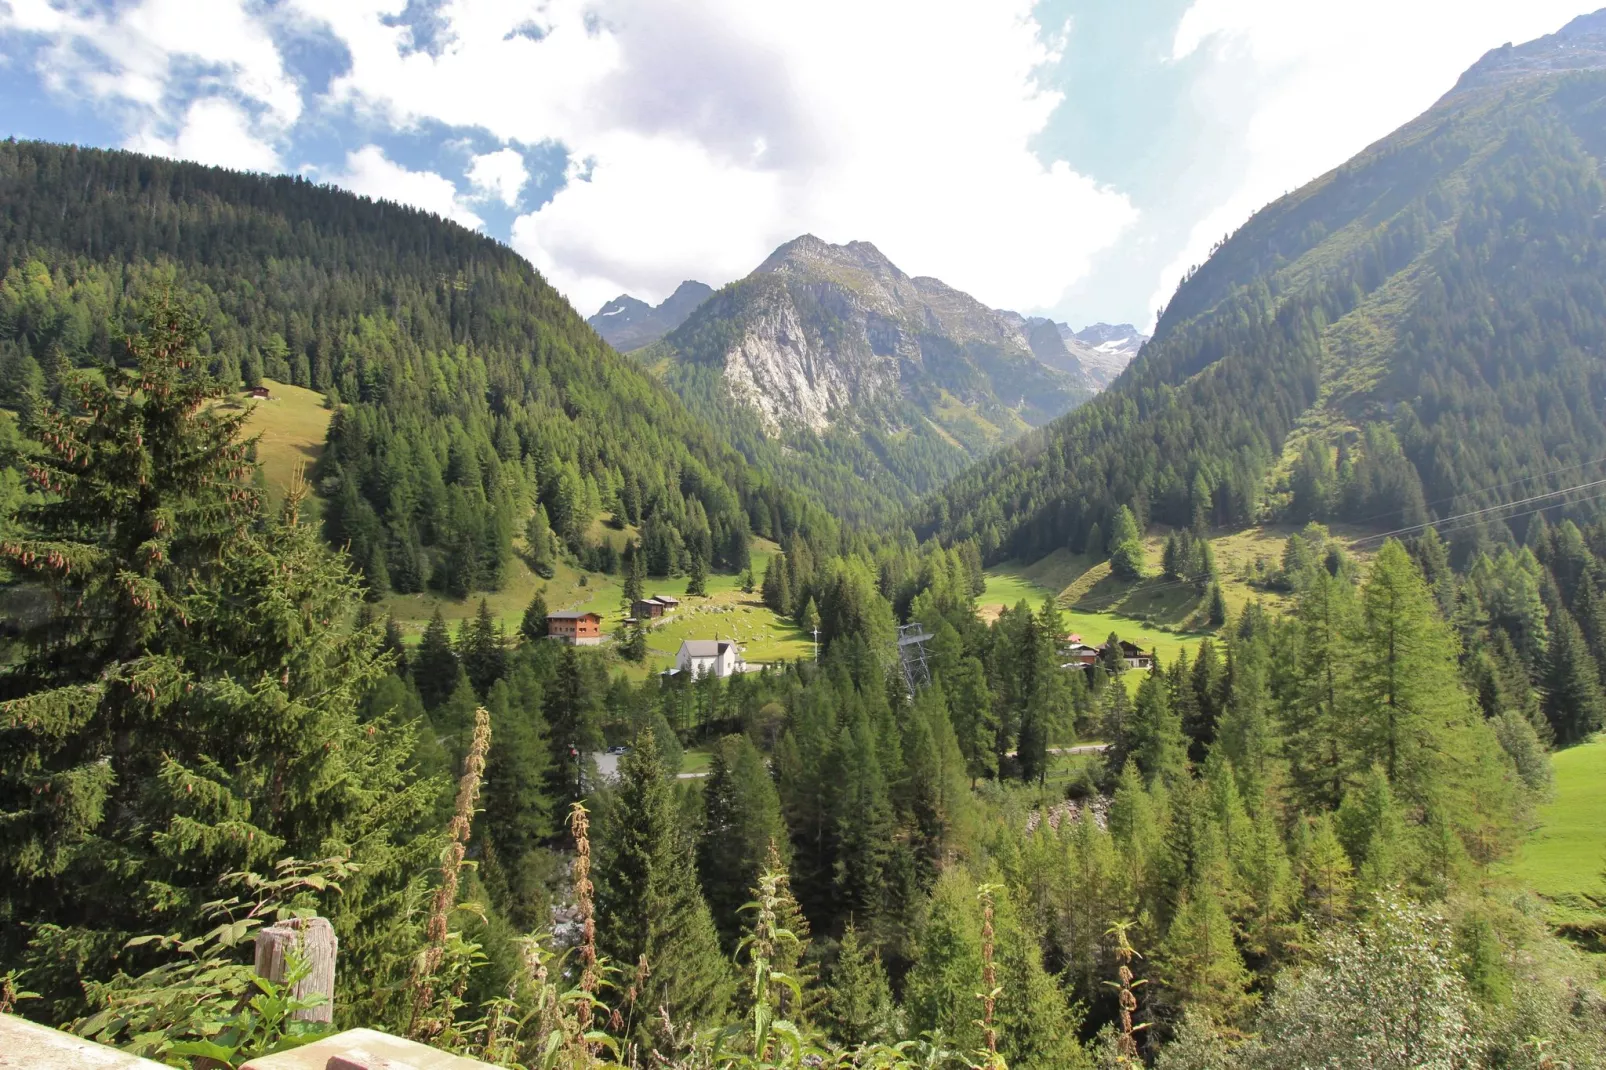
(1409, 703)
(1318, 727)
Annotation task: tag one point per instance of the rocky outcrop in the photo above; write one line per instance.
(821, 335)
(1105, 349)
(1578, 46)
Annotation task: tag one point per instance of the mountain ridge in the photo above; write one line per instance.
(628, 322)
(1425, 320)
(832, 360)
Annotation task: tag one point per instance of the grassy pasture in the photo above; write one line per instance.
(1565, 856)
(292, 429)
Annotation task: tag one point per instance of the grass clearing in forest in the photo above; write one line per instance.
(293, 427)
(1162, 615)
(1565, 856)
(727, 612)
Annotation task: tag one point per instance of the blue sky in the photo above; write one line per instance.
(1064, 157)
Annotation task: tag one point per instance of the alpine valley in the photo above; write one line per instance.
(826, 669)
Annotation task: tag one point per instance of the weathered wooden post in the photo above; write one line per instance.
(314, 939)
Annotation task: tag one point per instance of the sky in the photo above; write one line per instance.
(1069, 158)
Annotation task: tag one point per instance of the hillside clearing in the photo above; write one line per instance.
(1564, 859)
(292, 429)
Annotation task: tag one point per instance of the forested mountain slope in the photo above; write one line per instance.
(1404, 339)
(467, 390)
(832, 365)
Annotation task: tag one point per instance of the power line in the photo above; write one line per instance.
(1497, 486)
(1450, 523)
(1452, 520)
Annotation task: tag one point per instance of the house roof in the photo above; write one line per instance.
(704, 648)
(572, 614)
(666, 599)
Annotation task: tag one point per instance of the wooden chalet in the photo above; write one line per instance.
(575, 627)
(654, 607)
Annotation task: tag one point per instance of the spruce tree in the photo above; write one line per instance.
(648, 902)
(434, 666)
(777, 587)
(697, 584)
(484, 650)
(188, 702)
(533, 628)
(635, 575)
(1117, 724)
(1570, 685)
(635, 645)
(1155, 734)
(863, 819)
(518, 810)
(573, 707)
(859, 1001)
(741, 822)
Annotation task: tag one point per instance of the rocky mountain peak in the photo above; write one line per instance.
(628, 322)
(808, 255)
(1578, 46)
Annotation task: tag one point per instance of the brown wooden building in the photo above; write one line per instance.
(654, 607)
(575, 627)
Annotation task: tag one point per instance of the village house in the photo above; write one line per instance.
(1078, 655)
(575, 627)
(1075, 654)
(260, 393)
(700, 657)
(654, 607)
(1135, 656)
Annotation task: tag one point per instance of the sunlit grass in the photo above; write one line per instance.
(1565, 856)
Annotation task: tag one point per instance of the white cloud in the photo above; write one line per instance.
(371, 173)
(711, 131)
(1325, 78)
(214, 131)
(500, 174)
(135, 54)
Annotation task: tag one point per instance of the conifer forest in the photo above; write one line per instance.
(947, 833)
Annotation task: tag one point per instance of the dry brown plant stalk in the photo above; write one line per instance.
(580, 826)
(457, 832)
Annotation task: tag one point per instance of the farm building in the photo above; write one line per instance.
(654, 607)
(575, 627)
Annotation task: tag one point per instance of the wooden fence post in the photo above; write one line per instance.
(314, 938)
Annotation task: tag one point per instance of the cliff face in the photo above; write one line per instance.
(824, 334)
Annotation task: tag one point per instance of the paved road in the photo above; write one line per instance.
(608, 767)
